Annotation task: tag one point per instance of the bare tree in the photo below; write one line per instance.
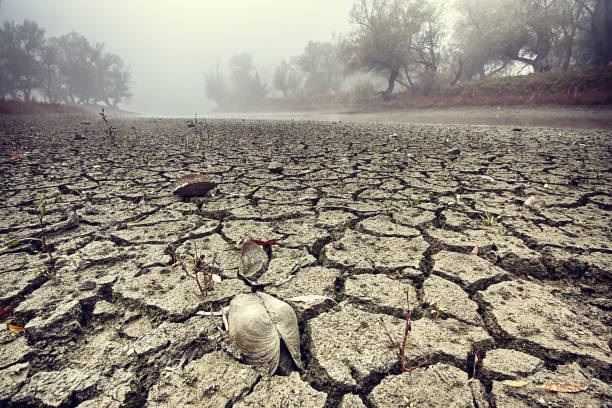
(322, 66)
(287, 78)
(384, 37)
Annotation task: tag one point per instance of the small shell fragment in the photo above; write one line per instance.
(253, 261)
(534, 203)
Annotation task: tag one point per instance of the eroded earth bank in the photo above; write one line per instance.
(363, 214)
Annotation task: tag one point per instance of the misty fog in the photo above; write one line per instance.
(191, 57)
(171, 45)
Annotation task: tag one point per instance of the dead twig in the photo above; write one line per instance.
(407, 329)
(382, 322)
(419, 365)
(207, 282)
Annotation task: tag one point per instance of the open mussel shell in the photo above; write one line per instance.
(257, 323)
(193, 185)
(253, 261)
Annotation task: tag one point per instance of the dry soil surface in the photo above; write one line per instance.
(366, 215)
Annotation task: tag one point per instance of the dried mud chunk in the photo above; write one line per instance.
(284, 263)
(12, 379)
(509, 364)
(175, 294)
(535, 320)
(171, 340)
(314, 280)
(349, 346)
(335, 219)
(451, 300)
(283, 392)
(14, 351)
(380, 294)
(382, 225)
(597, 394)
(351, 401)
(470, 272)
(365, 253)
(439, 385)
(414, 217)
(193, 185)
(302, 232)
(215, 380)
(57, 388)
(61, 324)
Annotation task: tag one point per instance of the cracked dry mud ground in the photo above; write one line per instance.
(361, 212)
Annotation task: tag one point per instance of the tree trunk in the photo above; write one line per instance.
(392, 77)
(601, 27)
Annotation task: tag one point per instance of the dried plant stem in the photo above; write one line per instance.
(382, 322)
(208, 275)
(421, 364)
(43, 239)
(194, 276)
(406, 331)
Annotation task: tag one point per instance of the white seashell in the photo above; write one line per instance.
(257, 323)
(529, 202)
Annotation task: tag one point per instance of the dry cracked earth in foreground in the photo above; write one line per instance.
(361, 213)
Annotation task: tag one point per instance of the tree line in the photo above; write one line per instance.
(411, 43)
(64, 69)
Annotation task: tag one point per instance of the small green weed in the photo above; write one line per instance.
(490, 219)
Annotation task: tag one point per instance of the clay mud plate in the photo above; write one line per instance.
(510, 303)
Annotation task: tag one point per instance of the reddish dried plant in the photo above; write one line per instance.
(208, 271)
(407, 329)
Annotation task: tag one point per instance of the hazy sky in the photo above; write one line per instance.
(170, 45)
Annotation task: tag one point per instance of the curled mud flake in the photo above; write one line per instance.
(193, 185)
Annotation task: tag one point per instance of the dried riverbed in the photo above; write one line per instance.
(361, 213)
